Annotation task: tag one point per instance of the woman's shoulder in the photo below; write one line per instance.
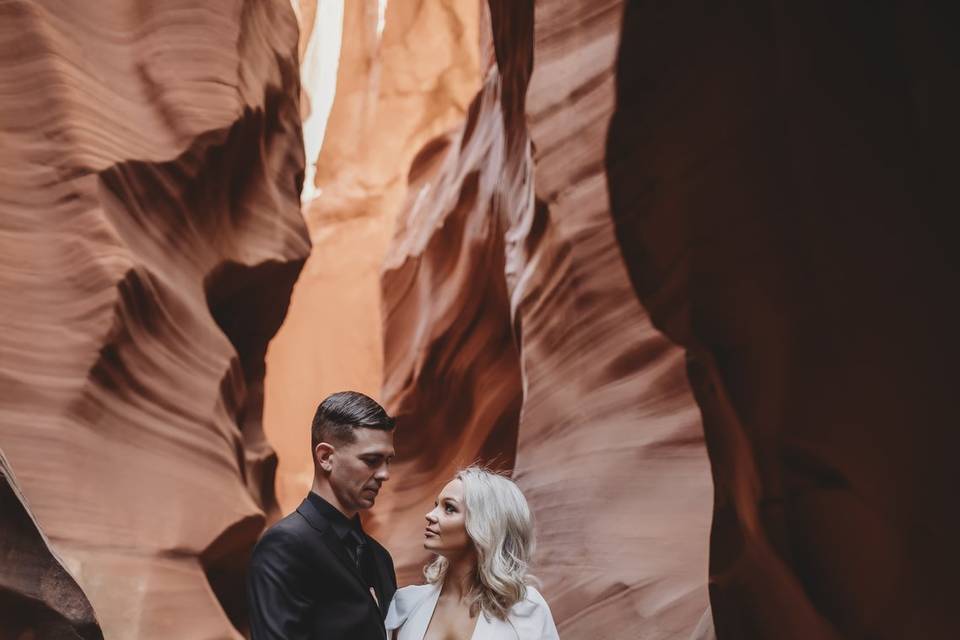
(405, 601)
(531, 617)
(532, 601)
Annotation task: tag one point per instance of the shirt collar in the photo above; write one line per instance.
(342, 525)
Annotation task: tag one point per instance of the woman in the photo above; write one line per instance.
(482, 532)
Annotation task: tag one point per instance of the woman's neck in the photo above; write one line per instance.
(459, 576)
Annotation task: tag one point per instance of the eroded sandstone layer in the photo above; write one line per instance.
(512, 327)
(38, 597)
(779, 181)
(150, 166)
(610, 447)
(400, 82)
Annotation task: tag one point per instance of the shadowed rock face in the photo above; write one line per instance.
(778, 178)
(395, 90)
(37, 595)
(511, 325)
(151, 234)
(610, 448)
(452, 370)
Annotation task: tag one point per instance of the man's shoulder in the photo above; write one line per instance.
(291, 531)
(292, 523)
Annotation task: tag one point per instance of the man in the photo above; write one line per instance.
(315, 574)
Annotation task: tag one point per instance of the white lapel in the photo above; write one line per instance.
(416, 625)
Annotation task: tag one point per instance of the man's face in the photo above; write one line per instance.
(358, 469)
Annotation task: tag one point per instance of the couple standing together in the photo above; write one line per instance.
(317, 575)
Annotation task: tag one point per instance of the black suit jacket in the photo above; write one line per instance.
(303, 584)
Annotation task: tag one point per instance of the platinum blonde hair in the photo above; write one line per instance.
(500, 525)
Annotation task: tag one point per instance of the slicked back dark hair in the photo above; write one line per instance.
(341, 413)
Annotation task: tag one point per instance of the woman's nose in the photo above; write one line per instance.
(430, 517)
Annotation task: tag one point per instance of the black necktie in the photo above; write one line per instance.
(359, 549)
(362, 558)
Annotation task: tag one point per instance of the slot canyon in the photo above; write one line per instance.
(681, 270)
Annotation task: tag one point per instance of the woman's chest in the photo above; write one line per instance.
(450, 622)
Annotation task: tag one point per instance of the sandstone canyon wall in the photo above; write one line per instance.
(764, 186)
(779, 179)
(400, 82)
(150, 169)
(38, 597)
(512, 330)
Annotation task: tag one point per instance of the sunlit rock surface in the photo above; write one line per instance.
(38, 598)
(511, 326)
(782, 179)
(151, 233)
(396, 89)
(452, 368)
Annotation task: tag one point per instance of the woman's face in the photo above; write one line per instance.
(446, 531)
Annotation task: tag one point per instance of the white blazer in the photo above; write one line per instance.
(412, 607)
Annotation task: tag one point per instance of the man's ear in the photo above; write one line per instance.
(321, 456)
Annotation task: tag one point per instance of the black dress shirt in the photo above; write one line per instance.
(355, 541)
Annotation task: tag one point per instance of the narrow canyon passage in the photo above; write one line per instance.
(461, 229)
(683, 272)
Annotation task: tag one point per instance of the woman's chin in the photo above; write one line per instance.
(431, 545)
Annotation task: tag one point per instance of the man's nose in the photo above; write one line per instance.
(382, 474)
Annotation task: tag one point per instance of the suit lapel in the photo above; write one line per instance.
(333, 543)
(385, 578)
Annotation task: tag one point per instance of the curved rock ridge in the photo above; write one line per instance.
(452, 371)
(150, 169)
(610, 448)
(38, 597)
(397, 88)
(507, 241)
(779, 186)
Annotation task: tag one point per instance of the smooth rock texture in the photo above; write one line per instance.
(451, 366)
(395, 90)
(38, 597)
(511, 327)
(610, 447)
(150, 168)
(781, 178)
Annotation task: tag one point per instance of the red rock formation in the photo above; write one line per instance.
(452, 372)
(395, 90)
(611, 446)
(779, 179)
(505, 285)
(151, 233)
(38, 597)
